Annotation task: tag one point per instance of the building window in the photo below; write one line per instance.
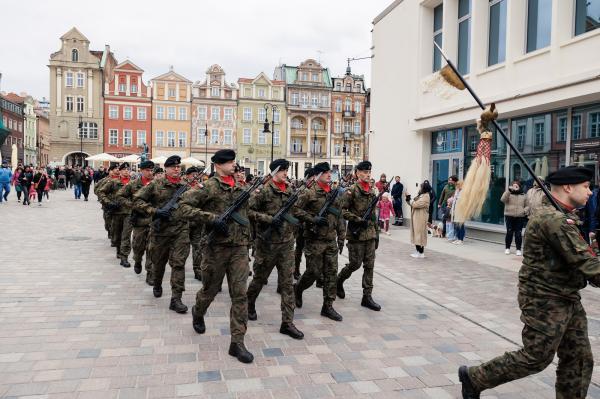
(337, 126)
(497, 33)
(348, 105)
(215, 113)
(141, 113)
(74, 55)
(337, 150)
(464, 35)
(304, 76)
(295, 98)
(113, 136)
(228, 114)
(214, 139)
(127, 113)
(181, 140)
(357, 150)
(438, 18)
(473, 141)
(215, 92)
(160, 138)
(69, 79)
(357, 107)
(134, 88)
(276, 137)
(79, 104)
(277, 116)
(141, 137)
(201, 113)
(347, 126)
(521, 135)
(539, 130)
(261, 93)
(324, 101)
(170, 139)
(182, 114)
(317, 124)
(315, 77)
(562, 129)
(262, 114)
(89, 130)
(593, 125)
(297, 123)
(247, 114)
(539, 24)
(227, 137)
(69, 103)
(171, 113)
(127, 138)
(314, 101)
(79, 79)
(171, 92)
(247, 137)
(587, 15)
(160, 112)
(122, 87)
(296, 145)
(338, 105)
(201, 136)
(304, 100)
(356, 127)
(576, 127)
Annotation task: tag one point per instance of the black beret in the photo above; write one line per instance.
(173, 160)
(249, 178)
(112, 167)
(283, 164)
(147, 165)
(309, 172)
(158, 170)
(570, 175)
(363, 165)
(321, 167)
(223, 156)
(191, 170)
(124, 165)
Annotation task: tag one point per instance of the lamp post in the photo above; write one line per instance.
(344, 148)
(81, 139)
(314, 146)
(205, 144)
(266, 124)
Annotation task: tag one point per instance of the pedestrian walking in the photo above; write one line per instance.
(15, 182)
(86, 181)
(25, 181)
(49, 184)
(75, 180)
(515, 211)
(5, 178)
(386, 212)
(419, 215)
(40, 179)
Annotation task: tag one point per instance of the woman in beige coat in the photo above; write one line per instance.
(419, 214)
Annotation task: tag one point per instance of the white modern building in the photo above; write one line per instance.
(538, 60)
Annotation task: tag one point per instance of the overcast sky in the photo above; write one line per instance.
(245, 37)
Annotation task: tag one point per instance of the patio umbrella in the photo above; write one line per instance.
(544, 170)
(538, 167)
(134, 158)
(191, 161)
(161, 159)
(103, 157)
(14, 158)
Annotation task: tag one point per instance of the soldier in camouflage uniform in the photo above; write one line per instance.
(140, 223)
(362, 245)
(196, 228)
(226, 254)
(169, 235)
(557, 264)
(299, 234)
(323, 236)
(106, 214)
(121, 228)
(274, 246)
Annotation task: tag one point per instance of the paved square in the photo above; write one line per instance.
(74, 324)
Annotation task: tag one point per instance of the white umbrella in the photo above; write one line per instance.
(14, 158)
(191, 161)
(130, 158)
(161, 159)
(537, 167)
(544, 170)
(103, 157)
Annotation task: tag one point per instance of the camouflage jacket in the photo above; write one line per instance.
(557, 261)
(207, 204)
(308, 206)
(355, 202)
(99, 185)
(125, 198)
(107, 194)
(266, 203)
(156, 195)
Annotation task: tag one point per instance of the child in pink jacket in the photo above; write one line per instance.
(386, 211)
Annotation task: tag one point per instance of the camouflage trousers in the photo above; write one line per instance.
(552, 326)
(361, 253)
(175, 250)
(321, 259)
(121, 235)
(268, 256)
(196, 241)
(218, 262)
(139, 244)
(107, 223)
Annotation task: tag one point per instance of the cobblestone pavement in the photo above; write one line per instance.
(74, 324)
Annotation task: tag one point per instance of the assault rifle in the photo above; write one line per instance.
(231, 212)
(169, 206)
(282, 213)
(327, 208)
(356, 227)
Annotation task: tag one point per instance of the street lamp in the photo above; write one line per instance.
(205, 144)
(266, 124)
(314, 146)
(81, 139)
(346, 137)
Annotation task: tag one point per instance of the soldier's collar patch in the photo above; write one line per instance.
(570, 221)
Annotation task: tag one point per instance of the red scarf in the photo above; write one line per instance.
(228, 180)
(365, 185)
(116, 176)
(565, 206)
(145, 181)
(282, 186)
(124, 180)
(174, 180)
(326, 187)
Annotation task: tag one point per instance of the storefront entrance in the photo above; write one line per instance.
(442, 167)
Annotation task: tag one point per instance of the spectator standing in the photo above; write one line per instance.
(86, 182)
(15, 182)
(397, 190)
(419, 215)
(459, 228)
(76, 182)
(447, 192)
(515, 209)
(5, 178)
(534, 198)
(381, 184)
(25, 181)
(49, 183)
(386, 211)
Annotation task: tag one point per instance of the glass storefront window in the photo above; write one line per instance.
(585, 149)
(444, 141)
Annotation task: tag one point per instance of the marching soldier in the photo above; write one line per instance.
(557, 264)
(275, 249)
(196, 228)
(227, 254)
(320, 234)
(106, 214)
(120, 226)
(308, 173)
(169, 235)
(362, 235)
(139, 222)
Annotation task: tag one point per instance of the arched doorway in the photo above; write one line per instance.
(75, 158)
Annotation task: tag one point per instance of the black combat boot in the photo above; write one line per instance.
(157, 291)
(197, 275)
(178, 306)
(125, 262)
(328, 311)
(298, 295)
(252, 311)
(340, 288)
(291, 330)
(149, 279)
(468, 390)
(368, 302)
(198, 321)
(137, 267)
(239, 351)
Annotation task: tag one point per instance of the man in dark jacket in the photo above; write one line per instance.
(397, 190)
